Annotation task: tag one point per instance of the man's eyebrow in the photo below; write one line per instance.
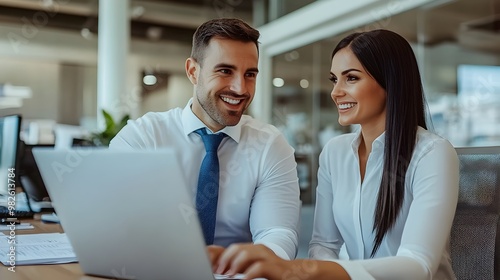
(225, 65)
(229, 66)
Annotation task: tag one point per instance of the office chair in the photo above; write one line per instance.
(475, 234)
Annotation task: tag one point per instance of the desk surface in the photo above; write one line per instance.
(43, 272)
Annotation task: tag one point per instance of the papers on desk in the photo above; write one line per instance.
(45, 248)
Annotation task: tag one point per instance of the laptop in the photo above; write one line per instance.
(127, 214)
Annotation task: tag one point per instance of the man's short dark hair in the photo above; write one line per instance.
(225, 28)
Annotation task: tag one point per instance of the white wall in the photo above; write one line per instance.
(180, 90)
(42, 77)
(89, 91)
(177, 93)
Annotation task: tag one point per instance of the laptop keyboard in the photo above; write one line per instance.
(5, 213)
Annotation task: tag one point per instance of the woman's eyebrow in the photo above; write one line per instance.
(349, 70)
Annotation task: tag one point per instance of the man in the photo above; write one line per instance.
(258, 193)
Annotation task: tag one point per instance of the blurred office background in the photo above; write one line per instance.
(49, 64)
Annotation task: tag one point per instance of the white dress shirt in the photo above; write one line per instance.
(417, 247)
(258, 186)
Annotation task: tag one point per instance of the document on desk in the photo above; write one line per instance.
(44, 248)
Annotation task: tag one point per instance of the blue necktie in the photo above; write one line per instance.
(207, 193)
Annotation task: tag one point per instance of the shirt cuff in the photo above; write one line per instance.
(355, 270)
(276, 249)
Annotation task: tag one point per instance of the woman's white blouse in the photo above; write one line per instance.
(417, 247)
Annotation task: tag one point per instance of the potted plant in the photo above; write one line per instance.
(112, 128)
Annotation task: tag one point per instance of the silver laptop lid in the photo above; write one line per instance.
(128, 214)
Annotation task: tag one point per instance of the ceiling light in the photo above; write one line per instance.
(137, 12)
(154, 32)
(86, 33)
(48, 3)
(291, 56)
(304, 83)
(149, 80)
(278, 82)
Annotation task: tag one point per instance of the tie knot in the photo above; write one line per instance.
(211, 141)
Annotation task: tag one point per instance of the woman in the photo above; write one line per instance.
(388, 192)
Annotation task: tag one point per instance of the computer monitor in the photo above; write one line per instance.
(476, 122)
(478, 85)
(9, 152)
(29, 175)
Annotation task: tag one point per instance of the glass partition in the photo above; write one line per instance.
(457, 44)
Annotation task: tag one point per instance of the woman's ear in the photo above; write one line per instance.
(192, 68)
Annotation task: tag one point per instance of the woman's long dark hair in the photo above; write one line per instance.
(390, 60)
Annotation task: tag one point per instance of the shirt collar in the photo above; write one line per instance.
(190, 123)
(356, 141)
(378, 143)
